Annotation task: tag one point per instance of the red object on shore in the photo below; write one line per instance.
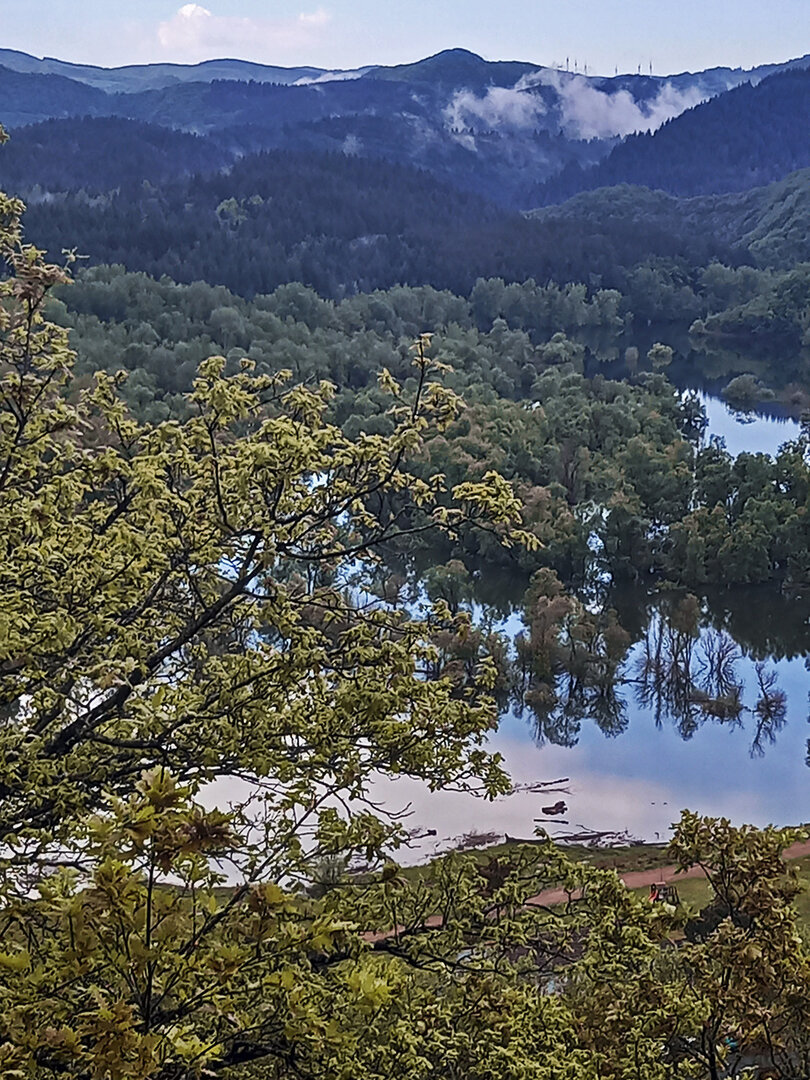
(663, 893)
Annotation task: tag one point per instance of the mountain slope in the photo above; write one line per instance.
(499, 129)
(457, 68)
(341, 224)
(387, 119)
(338, 223)
(771, 223)
(99, 154)
(743, 139)
(26, 99)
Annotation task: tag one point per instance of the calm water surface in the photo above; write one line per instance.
(748, 433)
(638, 781)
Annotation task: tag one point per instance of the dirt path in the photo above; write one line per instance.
(634, 879)
(642, 879)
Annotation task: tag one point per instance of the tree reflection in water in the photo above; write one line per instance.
(558, 711)
(770, 710)
(564, 660)
(681, 670)
(687, 679)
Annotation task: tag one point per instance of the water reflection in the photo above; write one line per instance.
(685, 676)
(648, 702)
(753, 432)
(683, 669)
(688, 683)
(707, 368)
(698, 360)
(770, 709)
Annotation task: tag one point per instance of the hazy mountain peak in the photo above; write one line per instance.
(457, 68)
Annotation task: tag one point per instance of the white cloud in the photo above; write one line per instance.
(499, 108)
(590, 113)
(195, 33)
(331, 76)
(583, 111)
(314, 18)
(192, 11)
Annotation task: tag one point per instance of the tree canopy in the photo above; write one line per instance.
(198, 688)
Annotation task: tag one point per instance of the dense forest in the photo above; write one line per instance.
(96, 156)
(769, 224)
(592, 457)
(340, 225)
(344, 224)
(315, 465)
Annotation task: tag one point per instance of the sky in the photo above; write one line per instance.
(673, 35)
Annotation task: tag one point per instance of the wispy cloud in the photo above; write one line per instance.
(196, 33)
(499, 108)
(580, 108)
(590, 113)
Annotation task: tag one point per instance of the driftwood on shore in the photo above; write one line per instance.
(608, 838)
(541, 787)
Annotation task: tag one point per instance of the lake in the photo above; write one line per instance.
(666, 757)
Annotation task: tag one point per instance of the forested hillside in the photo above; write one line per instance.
(769, 224)
(499, 129)
(28, 98)
(742, 139)
(99, 155)
(338, 223)
(475, 148)
(164, 201)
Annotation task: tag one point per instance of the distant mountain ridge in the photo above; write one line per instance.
(456, 67)
(134, 77)
(500, 129)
